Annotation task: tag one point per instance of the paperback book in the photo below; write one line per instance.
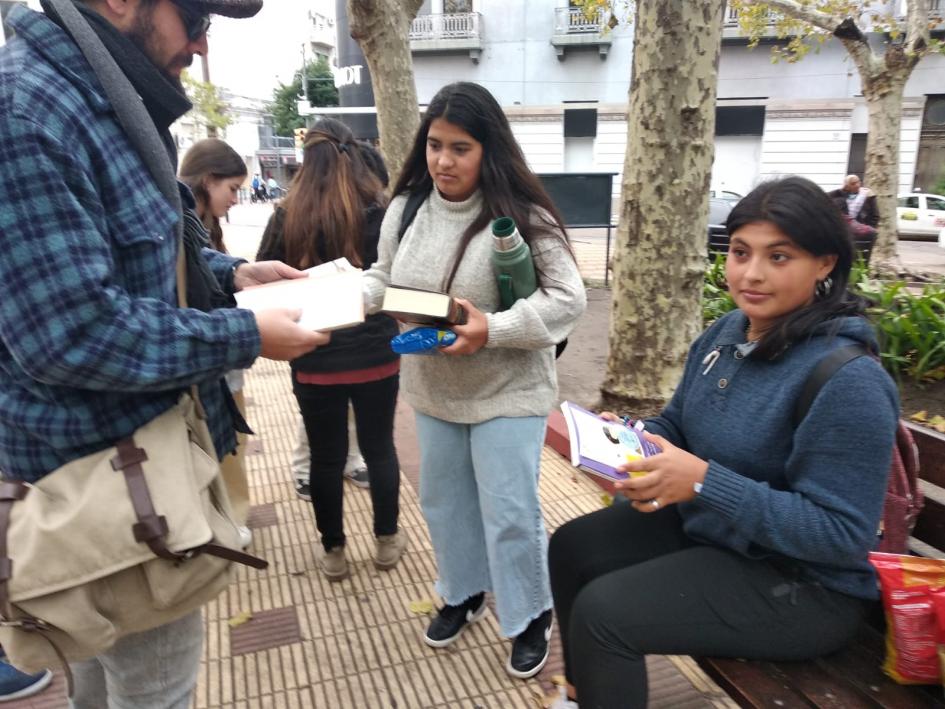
(599, 446)
(330, 298)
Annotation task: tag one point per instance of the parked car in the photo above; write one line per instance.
(727, 195)
(718, 233)
(920, 215)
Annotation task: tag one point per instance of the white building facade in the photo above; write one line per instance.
(564, 83)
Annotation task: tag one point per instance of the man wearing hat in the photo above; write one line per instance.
(92, 342)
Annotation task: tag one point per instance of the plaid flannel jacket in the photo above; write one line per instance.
(92, 343)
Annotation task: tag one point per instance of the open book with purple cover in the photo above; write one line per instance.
(599, 446)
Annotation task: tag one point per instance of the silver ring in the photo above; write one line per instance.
(655, 503)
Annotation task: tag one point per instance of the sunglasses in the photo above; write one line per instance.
(195, 24)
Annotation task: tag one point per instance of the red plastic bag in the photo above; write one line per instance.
(909, 584)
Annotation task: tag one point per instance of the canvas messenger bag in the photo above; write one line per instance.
(118, 542)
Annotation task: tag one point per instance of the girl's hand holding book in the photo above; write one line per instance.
(671, 477)
(471, 336)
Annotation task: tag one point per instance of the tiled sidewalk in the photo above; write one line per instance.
(311, 643)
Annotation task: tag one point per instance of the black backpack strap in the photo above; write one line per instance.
(414, 200)
(825, 369)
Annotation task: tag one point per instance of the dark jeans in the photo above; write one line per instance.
(325, 414)
(628, 584)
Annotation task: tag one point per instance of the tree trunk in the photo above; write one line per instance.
(660, 252)
(884, 101)
(381, 28)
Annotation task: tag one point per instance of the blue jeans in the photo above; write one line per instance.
(156, 669)
(479, 495)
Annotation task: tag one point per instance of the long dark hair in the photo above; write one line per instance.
(509, 188)
(210, 159)
(805, 213)
(324, 210)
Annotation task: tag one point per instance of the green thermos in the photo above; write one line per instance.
(512, 260)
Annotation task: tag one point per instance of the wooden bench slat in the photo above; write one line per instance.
(751, 685)
(861, 665)
(931, 453)
(822, 688)
(930, 527)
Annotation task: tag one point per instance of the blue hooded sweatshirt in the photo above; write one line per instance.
(810, 496)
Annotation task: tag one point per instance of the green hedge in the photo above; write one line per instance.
(910, 326)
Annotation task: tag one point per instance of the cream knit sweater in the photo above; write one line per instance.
(514, 374)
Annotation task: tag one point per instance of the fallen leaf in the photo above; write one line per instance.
(919, 416)
(539, 698)
(240, 618)
(422, 607)
(606, 500)
(938, 423)
(558, 680)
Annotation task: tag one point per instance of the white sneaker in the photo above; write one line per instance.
(246, 536)
(562, 702)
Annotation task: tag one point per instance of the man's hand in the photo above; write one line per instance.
(254, 274)
(471, 337)
(282, 338)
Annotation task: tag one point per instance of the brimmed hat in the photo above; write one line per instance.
(227, 8)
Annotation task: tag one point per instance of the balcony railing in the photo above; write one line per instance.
(463, 25)
(574, 29)
(731, 17)
(572, 20)
(447, 33)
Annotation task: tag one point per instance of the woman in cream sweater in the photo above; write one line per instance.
(481, 403)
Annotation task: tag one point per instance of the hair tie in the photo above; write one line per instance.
(342, 147)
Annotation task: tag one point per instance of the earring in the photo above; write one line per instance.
(822, 289)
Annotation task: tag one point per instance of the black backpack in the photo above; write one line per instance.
(414, 200)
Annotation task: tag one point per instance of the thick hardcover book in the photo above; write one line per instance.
(331, 297)
(423, 306)
(599, 446)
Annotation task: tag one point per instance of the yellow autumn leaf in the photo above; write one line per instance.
(606, 500)
(422, 607)
(240, 618)
(920, 416)
(938, 423)
(558, 680)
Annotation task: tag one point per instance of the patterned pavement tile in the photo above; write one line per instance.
(357, 643)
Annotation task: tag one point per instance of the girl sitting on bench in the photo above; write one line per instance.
(748, 536)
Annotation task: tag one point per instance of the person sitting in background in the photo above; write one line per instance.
(860, 201)
(749, 534)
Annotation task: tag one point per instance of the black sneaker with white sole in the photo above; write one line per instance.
(302, 490)
(530, 649)
(450, 621)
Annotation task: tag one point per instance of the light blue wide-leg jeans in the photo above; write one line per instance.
(479, 495)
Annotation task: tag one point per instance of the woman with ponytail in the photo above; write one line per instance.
(334, 209)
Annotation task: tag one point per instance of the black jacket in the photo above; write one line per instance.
(359, 347)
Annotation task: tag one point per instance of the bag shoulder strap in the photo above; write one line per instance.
(414, 200)
(822, 373)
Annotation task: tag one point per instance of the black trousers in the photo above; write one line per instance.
(325, 414)
(628, 584)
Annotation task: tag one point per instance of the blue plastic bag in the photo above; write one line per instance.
(422, 340)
